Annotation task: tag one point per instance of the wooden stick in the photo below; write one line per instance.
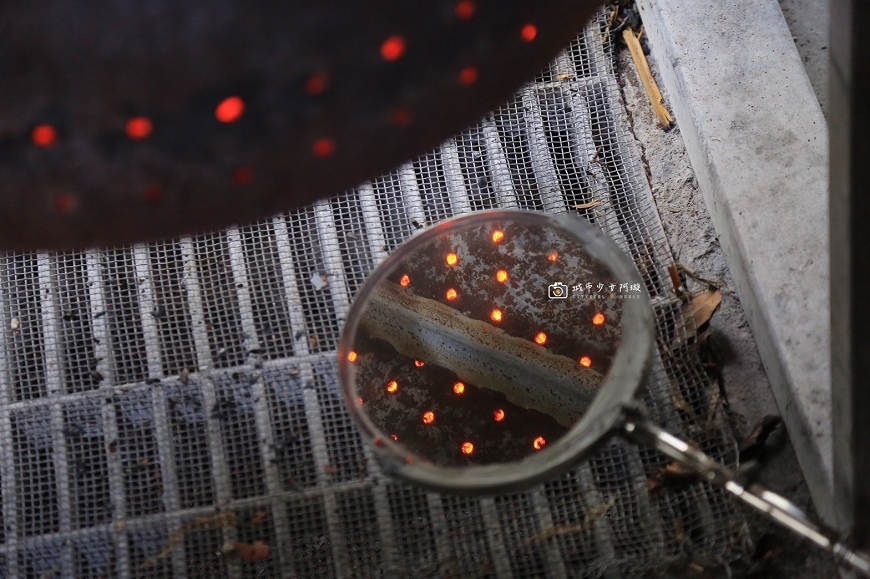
(646, 77)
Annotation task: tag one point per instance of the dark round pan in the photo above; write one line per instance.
(334, 92)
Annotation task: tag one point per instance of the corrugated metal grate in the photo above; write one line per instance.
(164, 402)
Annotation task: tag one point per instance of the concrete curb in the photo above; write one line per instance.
(758, 143)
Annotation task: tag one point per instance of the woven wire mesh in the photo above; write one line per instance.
(166, 407)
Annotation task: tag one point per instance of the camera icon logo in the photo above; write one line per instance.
(557, 291)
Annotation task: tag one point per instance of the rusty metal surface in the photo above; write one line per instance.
(327, 104)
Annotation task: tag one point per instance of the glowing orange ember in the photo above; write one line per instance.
(452, 259)
(65, 202)
(468, 76)
(598, 319)
(315, 85)
(501, 275)
(401, 117)
(393, 48)
(498, 415)
(139, 128)
(359, 401)
(44, 136)
(465, 10)
(553, 256)
(394, 437)
(153, 193)
(497, 236)
(539, 443)
(230, 109)
(541, 338)
(585, 361)
(428, 417)
(323, 148)
(419, 363)
(392, 387)
(405, 281)
(495, 315)
(459, 388)
(243, 176)
(351, 357)
(529, 32)
(467, 448)
(451, 294)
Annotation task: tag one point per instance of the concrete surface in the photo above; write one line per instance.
(749, 398)
(809, 22)
(757, 140)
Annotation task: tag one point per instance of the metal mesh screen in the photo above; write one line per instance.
(172, 410)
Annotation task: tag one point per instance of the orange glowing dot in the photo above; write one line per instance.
(498, 415)
(553, 256)
(529, 32)
(153, 193)
(428, 417)
(393, 48)
(359, 401)
(467, 448)
(323, 148)
(394, 437)
(501, 275)
(598, 319)
(230, 110)
(351, 357)
(452, 259)
(541, 338)
(497, 236)
(65, 203)
(539, 443)
(139, 128)
(465, 10)
(405, 281)
(468, 76)
(459, 388)
(315, 85)
(585, 361)
(451, 294)
(419, 363)
(401, 117)
(44, 136)
(392, 387)
(243, 176)
(495, 315)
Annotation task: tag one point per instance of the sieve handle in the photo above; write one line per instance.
(771, 504)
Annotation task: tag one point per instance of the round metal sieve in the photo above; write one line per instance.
(498, 350)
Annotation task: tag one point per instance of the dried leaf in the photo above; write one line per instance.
(675, 279)
(678, 471)
(753, 446)
(714, 400)
(598, 510)
(589, 205)
(259, 518)
(679, 532)
(703, 306)
(646, 77)
(252, 553)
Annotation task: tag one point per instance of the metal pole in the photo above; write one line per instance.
(849, 124)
